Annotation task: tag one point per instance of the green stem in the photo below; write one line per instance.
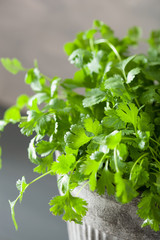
(115, 159)
(111, 46)
(82, 188)
(155, 141)
(91, 44)
(153, 151)
(41, 176)
(46, 77)
(138, 160)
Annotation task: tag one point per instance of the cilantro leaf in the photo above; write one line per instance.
(112, 120)
(73, 208)
(12, 115)
(80, 57)
(92, 126)
(44, 148)
(148, 209)
(128, 113)
(106, 182)
(116, 85)
(93, 97)
(21, 186)
(139, 176)
(113, 139)
(131, 74)
(125, 191)
(12, 65)
(76, 137)
(44, 164)
(64, 164)
(91, 166)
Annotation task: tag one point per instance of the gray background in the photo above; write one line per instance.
(38, 29)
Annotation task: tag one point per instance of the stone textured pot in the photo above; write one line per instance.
(107, 219)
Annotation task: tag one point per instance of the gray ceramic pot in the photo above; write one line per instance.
(107, 219)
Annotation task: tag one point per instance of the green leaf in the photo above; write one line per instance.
(154, 39)
(125, 62)
(134, 34)
(128, 113)
(12, 115)
(144, 123)
(94, 66)
(113, 139)
(105, 30)
(27, 128)
(148, 209)
(64, 164)
(80, 57)
(34, 78)
(44, 164)
(90, 167)
(12, 65)
(76, 137)
(69, 48)
(106, 182)
(143, 139)
(44, 148)
(41, 123)
(116, 86)
(122, 151)
(131, 74)
(21, 186)
(54, 86)
(151, 95)
(63, 182)
(93, 126)
(139, 176)
(93, 97)
(39, 97)
(112, 120)
(57, 104)
(125, 191)
(32, 155)
(90, 33)
(73, 208)
(22, 100)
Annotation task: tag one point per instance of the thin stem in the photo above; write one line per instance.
(153, 151)
(111, 46)
(46, 77)
(115, 159)
(41, 176)
(91, 44)
(82, 188)
(155, 141)
(139, 159)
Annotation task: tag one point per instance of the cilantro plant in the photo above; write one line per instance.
(108, 136)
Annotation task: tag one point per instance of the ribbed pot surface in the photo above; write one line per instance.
(86, 232)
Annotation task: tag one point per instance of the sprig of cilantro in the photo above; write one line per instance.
(109, 136)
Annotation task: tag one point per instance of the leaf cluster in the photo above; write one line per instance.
(109, 135)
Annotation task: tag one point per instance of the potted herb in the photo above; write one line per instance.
(106, 138)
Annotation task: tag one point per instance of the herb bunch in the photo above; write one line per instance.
(108, 136)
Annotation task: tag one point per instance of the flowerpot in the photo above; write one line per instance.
(107, 219)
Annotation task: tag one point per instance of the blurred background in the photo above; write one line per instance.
(38, 29)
